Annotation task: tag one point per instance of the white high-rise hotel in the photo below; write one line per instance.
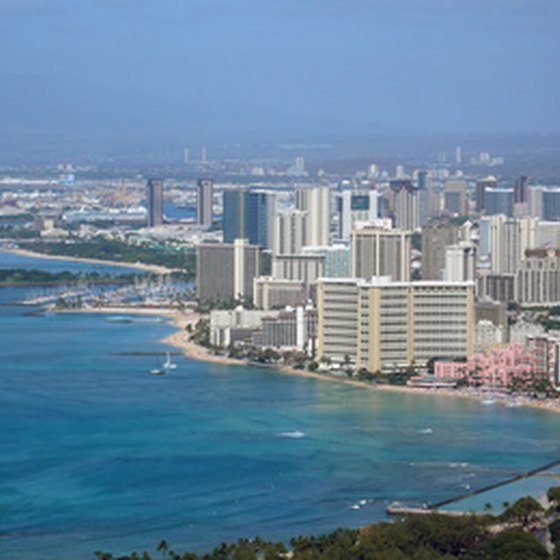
(382, 325)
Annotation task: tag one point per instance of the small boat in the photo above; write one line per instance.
(168, 364)
(489, 400)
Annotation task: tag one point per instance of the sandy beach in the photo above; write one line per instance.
(180, 340)
(139, 266)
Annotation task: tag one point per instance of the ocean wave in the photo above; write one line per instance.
(295, 434)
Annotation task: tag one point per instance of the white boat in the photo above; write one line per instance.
(157, 371)
(489, 400)
(168, 364)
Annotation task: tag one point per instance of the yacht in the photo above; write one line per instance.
(168, 364)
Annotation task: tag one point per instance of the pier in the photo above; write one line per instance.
(401, 509)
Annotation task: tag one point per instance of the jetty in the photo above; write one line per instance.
(396, 508)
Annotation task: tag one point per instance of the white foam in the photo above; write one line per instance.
(294, 434)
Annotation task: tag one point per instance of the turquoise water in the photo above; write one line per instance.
(98, 454)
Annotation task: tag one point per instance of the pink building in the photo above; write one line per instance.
(499, 367)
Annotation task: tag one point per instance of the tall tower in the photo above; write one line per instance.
(204, 202)
(249, 215)
(155, 202)
(316, 202)
(521, 189)
(375, 251)
(482, 185)
(406, 204)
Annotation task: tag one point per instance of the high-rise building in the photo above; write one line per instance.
(249, 214)
(406, 205)
(455, 197)
(551, 204)
(354, 206)
(155, 202)
(499, 201)
(489, 182)
(226, 271)
(537, 280)
(505, 240)
(316, 201)
(381, 325)
(376, 251)
(290, 232)
(436, 237)
(521, 189)
(186, 156)
(460, 262)
(204, 202)
(424, 185)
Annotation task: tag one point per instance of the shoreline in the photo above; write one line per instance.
(139, 266)
(179, 340)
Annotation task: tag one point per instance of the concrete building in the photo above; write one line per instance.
(376, 251)
(488, 335)
(290, 329)
(460, 262)
(545, 351)
(236, 325)
(385, 325)
(226, 271)
(273, 293)
(496, 287)
(155, 202)
(505, 240)
(493, 311)
(354, 206)
(204, 192)
(436, 237)
(316, 201)
(305, 267)
(538, 278)
(455, 197)
(290, 232)
(406, 205)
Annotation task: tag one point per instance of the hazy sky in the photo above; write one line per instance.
(278, 68)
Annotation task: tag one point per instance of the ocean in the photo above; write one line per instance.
(96, 454)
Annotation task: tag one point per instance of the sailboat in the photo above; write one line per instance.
(157, 371)
(168, 364)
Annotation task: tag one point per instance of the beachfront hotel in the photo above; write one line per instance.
(381, 325)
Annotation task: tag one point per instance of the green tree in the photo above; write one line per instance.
(514, 545)
(523, 511)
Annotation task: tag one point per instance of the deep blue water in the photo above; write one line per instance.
(97, 454)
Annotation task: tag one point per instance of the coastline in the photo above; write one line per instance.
(179, 339)
(156, 269)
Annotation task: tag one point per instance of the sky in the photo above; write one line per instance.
(142, 72)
